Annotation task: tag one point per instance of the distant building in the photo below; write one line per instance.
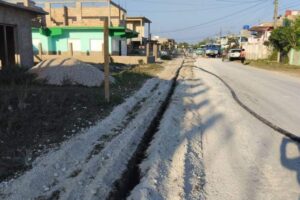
(261, 33)
(142, 26)
(228, 41)
(257, 46)
(165, 43)
(15, 33)
(80, 23)
(292, 14)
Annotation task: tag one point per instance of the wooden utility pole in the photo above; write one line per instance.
(40, 50)
(148, 49)
(71, 49)
(155, 51)
(109, 12)
(106, 59)
(275, 13)
(275, 25)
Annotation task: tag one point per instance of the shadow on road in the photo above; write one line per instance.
(291, 163)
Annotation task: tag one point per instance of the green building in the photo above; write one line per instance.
(84, 40)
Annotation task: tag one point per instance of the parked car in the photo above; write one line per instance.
(137, 52)
(164, 53)
(200, 51)
(234, 54)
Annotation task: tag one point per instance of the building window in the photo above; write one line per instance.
(35, 43)
(96, 45)
(76, 44)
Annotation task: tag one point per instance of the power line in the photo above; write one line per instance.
(282, 8)
(211, 21)
(263, 8)
(187, 10)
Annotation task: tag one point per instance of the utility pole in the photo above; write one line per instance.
(106, 60)
(275, 25)
(109, 12)
(275, 13)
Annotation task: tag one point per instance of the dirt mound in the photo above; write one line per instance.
(68, 72)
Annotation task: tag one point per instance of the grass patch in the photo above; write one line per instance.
(35, 117)
(273, 65)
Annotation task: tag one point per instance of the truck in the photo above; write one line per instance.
(213, 50)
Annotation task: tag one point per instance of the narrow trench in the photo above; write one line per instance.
(132, 175)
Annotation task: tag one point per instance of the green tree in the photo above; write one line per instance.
(233, 42)
(203, 42)
(285, 38)
(183, 45)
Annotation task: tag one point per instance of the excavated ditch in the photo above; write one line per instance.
(132, 175)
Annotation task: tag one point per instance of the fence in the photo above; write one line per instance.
(257, 51)
(294, 57)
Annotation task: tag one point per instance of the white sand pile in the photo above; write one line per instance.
(68, 71)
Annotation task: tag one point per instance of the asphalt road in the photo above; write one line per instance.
(243, 158)
(273, 95)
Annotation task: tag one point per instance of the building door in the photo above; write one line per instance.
(2, 48)
(120, 47)
(7, 46)
(124, 47)
(11, 51)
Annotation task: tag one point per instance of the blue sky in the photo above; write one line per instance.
(193, 20)
(203, 17)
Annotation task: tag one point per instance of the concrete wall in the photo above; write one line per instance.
(137, 26)
(83, 15)
(294, 57)
(133, 60)
(22, 21)
(257, 51)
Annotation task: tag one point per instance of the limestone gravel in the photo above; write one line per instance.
(68, 71)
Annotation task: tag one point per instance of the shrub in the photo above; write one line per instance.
(273, 56)
(17, 76)
(141, 62)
